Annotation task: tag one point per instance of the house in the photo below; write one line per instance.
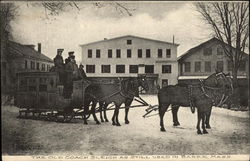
(19, 57)
(128, 56)
(203, 60)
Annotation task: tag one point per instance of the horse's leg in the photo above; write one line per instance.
(162, 109)
(117, 114)
(127, 104)
(203, 123)
(198, 122)
(208, 119)
(101, 109)
(113, 118)
(93, 112)
(86, 111)
(175, 109)
(104, 111)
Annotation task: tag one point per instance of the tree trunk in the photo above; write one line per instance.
(235, 80)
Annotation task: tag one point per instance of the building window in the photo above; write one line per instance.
(168, 53)
(219, 51)
(187, 66)
(139, 51)
(207, 51)
(32, 65)
(129, 53)
(43, 67)
(129, 42)
(219, 66)
(197, 66)
(133, 68)
(48, 67)
(26, 64)
(90, 68)
(37, 66)
(148, 54)
(118, 53)
(109, 53)
(120, 68)
(89, 53)
(229, 65)
(207, 66)
(164, 82)
(98, 53)
(159, 53)
(166, 69)
(105, 68)
(149, 68)
(242, 66)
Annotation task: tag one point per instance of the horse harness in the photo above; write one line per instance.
(204, 92)
(122, 92)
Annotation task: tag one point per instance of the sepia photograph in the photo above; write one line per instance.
(125, 80)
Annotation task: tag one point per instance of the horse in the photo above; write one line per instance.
(209, 92)
(124, 92)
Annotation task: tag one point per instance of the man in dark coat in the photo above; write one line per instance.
(59, 65)
(58, 60)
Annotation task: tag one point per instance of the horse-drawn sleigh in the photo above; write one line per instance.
(40, 96)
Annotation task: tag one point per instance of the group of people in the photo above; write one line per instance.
(68, 71)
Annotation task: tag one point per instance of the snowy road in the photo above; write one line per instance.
(229, 134)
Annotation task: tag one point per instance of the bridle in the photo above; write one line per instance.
(224, 97)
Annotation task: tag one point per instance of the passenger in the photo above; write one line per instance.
(73, 74)
(58, 60)
(59, 66)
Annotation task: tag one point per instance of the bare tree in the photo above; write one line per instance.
(7, 14)
(229, 22)
(54, 8)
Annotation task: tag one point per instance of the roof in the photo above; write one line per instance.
(196, 48)
(202, 77)
(132, 37)
(25, 51)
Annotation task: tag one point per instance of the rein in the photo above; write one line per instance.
(223, 99)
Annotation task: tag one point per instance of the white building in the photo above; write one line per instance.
(128, 56)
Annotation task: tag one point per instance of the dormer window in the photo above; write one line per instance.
(129, 42)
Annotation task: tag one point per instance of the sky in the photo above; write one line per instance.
(72, 27)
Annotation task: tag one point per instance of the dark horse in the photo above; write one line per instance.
(124, 92)
(212, 91)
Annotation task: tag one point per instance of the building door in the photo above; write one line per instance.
(164, 82)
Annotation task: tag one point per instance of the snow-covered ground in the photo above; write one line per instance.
(229, 134)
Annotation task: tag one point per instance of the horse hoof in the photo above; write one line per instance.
(199, 132)
(127, 122)
(106, 120)
(98, 123)
(208, 127)
(118, 124)
(85, 123)
(205, 132)
(163, 129)
(102, 120)
(113, 124)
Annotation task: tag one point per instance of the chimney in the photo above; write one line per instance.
(173, 39)
(39, 47)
